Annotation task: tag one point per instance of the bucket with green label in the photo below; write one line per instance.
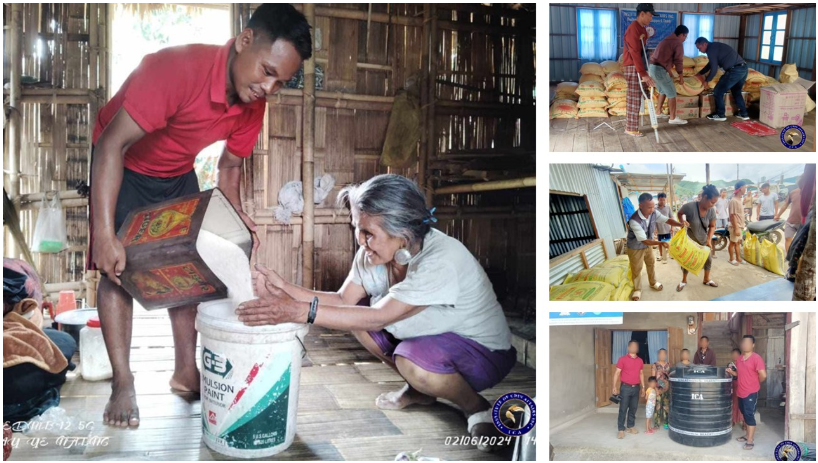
(250, 379)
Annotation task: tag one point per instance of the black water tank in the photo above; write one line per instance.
(701, 406)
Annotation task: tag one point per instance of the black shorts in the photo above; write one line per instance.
(139, 190)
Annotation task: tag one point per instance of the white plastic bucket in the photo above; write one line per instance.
(250, 382)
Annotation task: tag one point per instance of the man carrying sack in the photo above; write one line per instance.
(641, 225)
(634, 66)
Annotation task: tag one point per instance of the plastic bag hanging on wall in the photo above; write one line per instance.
(50, 234)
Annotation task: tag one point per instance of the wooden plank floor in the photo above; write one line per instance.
(698, 135)
(337, 417)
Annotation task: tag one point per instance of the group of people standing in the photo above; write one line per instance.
(747, 369)
(650, 225)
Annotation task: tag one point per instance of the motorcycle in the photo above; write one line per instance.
(765, 229)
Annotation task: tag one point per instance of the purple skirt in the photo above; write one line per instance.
(449, 353)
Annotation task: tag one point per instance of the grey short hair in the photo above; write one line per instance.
(396, 200)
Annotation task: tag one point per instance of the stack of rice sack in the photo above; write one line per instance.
(591, 91)
(616, 89)
(755, 80)
(688, 67)
(565, 101)
(567, 91)
(609, 281)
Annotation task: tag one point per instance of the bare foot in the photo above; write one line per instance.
(121, 409)
(397, 400)
(186, 381)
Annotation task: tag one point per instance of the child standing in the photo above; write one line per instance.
(663, 229)
(650, 404)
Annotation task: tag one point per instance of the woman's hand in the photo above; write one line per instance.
(273, 307)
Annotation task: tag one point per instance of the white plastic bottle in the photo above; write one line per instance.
(94, 362)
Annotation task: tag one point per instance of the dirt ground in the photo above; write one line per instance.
(729, 278)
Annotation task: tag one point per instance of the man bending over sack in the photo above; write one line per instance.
(735, 73)
(641, 225)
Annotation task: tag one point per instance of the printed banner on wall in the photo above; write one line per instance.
(661, 26)
(584, 318)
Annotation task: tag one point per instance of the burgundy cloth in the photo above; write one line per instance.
(633, 100)
(669, 54)
(709, 357)
(633, 47)
(631, 367)
(449, 353)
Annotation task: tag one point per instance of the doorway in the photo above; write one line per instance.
(139, 29)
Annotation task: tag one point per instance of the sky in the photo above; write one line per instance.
(697, 173)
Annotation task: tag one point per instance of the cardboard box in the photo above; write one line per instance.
(783, 105)
(687, 113)
(687, 102)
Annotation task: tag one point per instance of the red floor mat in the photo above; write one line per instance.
(754, 128)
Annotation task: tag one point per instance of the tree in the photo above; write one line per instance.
(805, 275)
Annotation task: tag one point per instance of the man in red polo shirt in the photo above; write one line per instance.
(178, 101)
(630, 379)
(751, 372)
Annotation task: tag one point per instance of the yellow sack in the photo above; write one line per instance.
(592, 68)
(592, 102)
(688, 62)
(567, 90)
(590, 88)
(618, 111)
(772, 257)
(582, 291)
(615, 79)
(789, 73)
(687, 252)
(712, 83)
(623, 292)
(755, 77)
(770, 81)
(692, 87)
(613, 275)
(591, 77)
(687, 72)
(610, 66)
(619, 261)
(617, 92)
(616, 101)
(621, 60)
(751, 248)
(564, 109)
(701, 62)
(592, 112)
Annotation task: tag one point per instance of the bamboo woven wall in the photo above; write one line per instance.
(483, 127)
(63, 61)
(472, 67)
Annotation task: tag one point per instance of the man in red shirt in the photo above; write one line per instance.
(628, 378)
(751, 372)
(634, 64)
(178, 101)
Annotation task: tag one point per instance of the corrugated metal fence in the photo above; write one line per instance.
(602, 197)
